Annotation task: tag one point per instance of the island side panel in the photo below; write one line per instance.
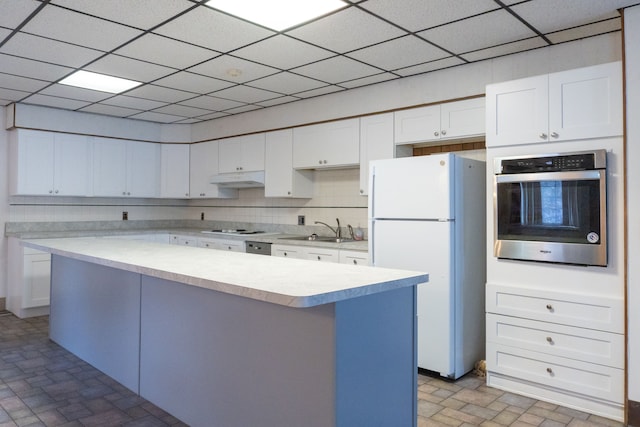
(377, 367)
(214, 359)
(95, 314)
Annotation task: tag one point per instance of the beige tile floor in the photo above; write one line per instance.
(42, 384)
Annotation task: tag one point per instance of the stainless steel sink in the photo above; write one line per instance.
(316, 238)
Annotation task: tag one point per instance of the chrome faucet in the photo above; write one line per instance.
(337, 230)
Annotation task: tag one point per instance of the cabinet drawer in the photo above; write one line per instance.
(354, 257)
(604, 348)
(570, 375)
(323, 255)
(586, 311)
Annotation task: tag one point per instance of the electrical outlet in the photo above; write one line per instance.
(125, 215)
(201, 216)
(300, 219)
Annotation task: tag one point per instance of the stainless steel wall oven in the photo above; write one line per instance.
(551, 208)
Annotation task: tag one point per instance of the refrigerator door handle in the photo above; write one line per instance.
(372, 187)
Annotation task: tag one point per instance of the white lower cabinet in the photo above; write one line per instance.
(222, 244)
(354, 257)
(289, 251)
(315, 253)
(565, 348)
(29, 277)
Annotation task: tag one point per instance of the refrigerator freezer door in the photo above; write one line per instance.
(412, 187)
(424, 246)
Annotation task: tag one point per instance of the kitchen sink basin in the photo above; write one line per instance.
(316, 238)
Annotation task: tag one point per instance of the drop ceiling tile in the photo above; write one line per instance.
(54, 101)
(195, 83)
(156, 117)
(225, 67)
(429, 66)
(127, 68)
(277, 52)
(286, 83)
(206, 27)
(182, 110)
(30, 68)
(377, 78)
(348, 30)
(78, 93)
(21, 83)
(157, 93)
(416, 15)
(505, 49)
(337, 69)
(278, 101)
(133, 102)
(554, 15)
(4, 33)
(164, 51)
(110, 110)
(211, 103)
(601, 27)
(52, 51)
(12, 94)
(143, 14)
(399, 53)
(14, 12)
(243, 109)
(321, 91)
(79, 29)
(479, 32)
(245, 94)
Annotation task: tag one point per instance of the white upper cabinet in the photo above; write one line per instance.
(327, 145)
(204, 164)
(46, 163)
(126, 168)
(569, 105)
(242, 154)
(451, 120)
(376, 142)
(281, 180)
(174, 171)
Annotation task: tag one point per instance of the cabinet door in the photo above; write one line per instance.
(334, 144)
(33, 157)
(376, 142)
(72, 174)
(109, 167)
(417, 125)
(586, 103)
(203, 164)
(174, 171)
(143, 169)
(281, 180)
(517, 112)
(37, 279)
(462, 119)
(242, 154)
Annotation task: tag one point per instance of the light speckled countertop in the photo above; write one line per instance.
(290, 282)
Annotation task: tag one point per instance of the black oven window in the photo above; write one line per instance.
(555, 211)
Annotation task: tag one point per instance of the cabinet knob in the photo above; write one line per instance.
(229, 248)
(50, 191)
(543, 135)
(319, 162)
(550, 340)
(56, 191)
(124, 193)
(186, 194)
(319, 258)
(355, 261)
(550, 371)
(444, 132)
(436, 133)
(361, 191)
(549, 307)
(288, 193)
(324, 161)
(285, 254)
(554, 134)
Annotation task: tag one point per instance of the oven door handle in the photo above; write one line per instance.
(550, 176)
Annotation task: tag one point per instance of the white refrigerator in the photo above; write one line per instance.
(427, 214)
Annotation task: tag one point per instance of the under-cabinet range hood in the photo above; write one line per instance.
(239, 179)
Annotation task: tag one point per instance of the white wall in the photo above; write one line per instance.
(632, 58)
(4, 203)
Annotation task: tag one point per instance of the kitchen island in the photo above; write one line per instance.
(231, 339)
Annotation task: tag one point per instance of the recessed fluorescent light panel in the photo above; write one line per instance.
(277, 14)
(101, 82)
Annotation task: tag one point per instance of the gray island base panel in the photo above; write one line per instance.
(215, 358)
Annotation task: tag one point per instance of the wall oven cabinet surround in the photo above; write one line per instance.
(552, 208)
(561, 347)
(327, 145)
(451, 120)
(49, 164)
(569, 105)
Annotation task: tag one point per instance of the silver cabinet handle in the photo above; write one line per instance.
(543, 135)
(549, 307)
(550, 371)
(436, 133)
(554, 134)
(444, 132)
